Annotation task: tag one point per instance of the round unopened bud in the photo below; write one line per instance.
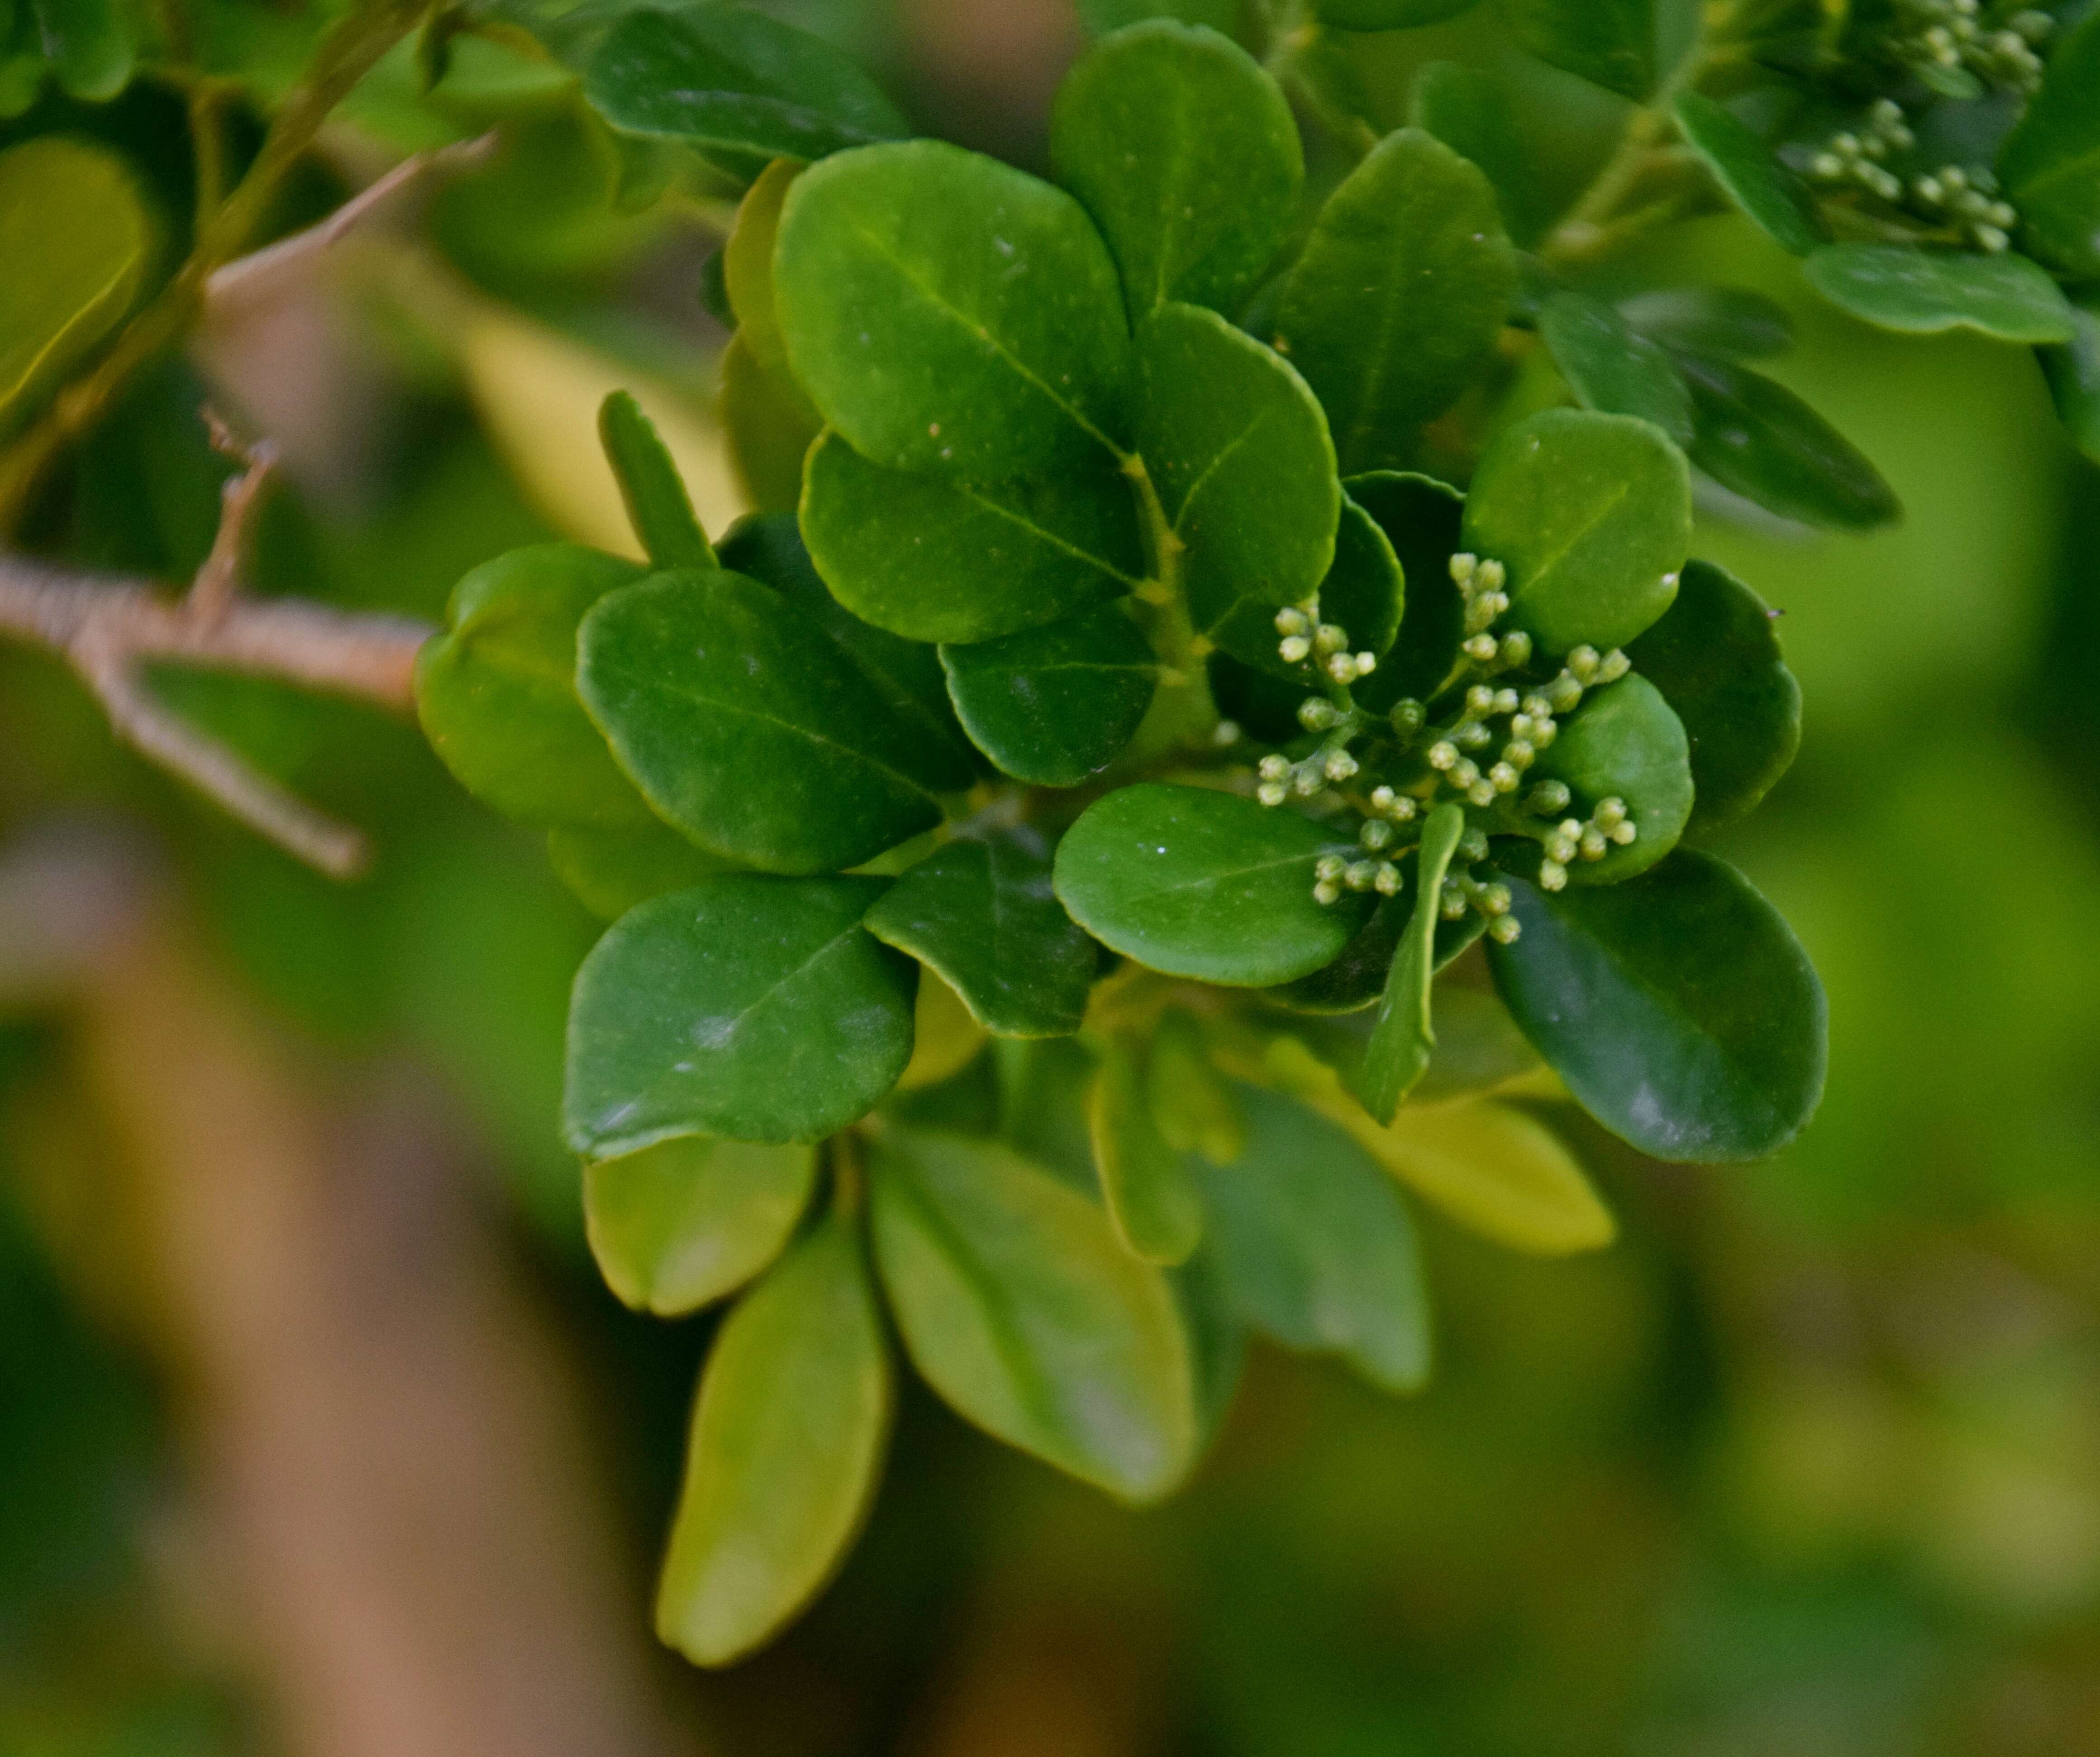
(1537, 706)
(1520, 726)
(1505, 701)
(1316, 714)
(1827, 166)
(1403, 810)
(1612, 666)
(1330, 867)
(1291, 619)
(1342, 668)
(1994, 239)
(1516, 648)
(1330, 638)
(1479, 699)
(1443, 754)
(1387, 884)
(1493, 900)
(1547, 798)
(1564, 692)
(1272, 792)
(1562, 848)
(1381, 798)
(1464, 567)
(1593, 844)
(1626, 834)
(1570, 827)
(1308, 779)
(1583, 662)
(1493, 574)
(1543, 732)
(1505, 930)
(1366, 664)
(1451, 903)
(1473, 843)
(1293, 649)
(1480, 648)
(1552, 876)
(1481, 793)
(1464, 772)
(1339, 766)
(1376, 833)
(1272, 768)
(1928, 191)
(1519, 753)
(1361, 874)
(1326, 891)
(1505, 777)
(1406, 717)
(1225, 732)
(1610, 812)
(1471, 734)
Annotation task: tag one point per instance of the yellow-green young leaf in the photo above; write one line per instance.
(1192, 1105)
(1022, 1309)
(786, 1450)
(609, 870)
(685, 1221)
(657, 504)
(769, 424)
(945, 1039)
(90, 44)
(72, 211)
(747, 263)
(1145, 1184)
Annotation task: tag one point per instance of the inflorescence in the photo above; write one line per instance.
(1495, 732)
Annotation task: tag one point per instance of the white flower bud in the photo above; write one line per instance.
(1381, 798)
(1582, 664)
(1290, 620)
(1366, 664)
(1316, 714)
(1376, 833)
(1342, 668)
(1308, 780)
(1481, 793)
(1516, 648)
(1504, 777)
(1326, 891)
(1473, 843)
(1339, 766)
(1552, 876)
(1272, 768)
(1493, 574)
(1563, 693)
(1480, 648)
(1610, 813)
(1626, 834)
(1330, 637)
(1272, 793)
(1330, 867)
(1443, 754)
(1505, 930)
(1537, 706)
(1451, 903)
(1547, 798)
(1387, 884)
(1471, 734)
(1225, 732)
(1612, 666)
(1505, 701)
(1493, 900)
(1463, 566)
(1594, 845)
(1293, 648)
(1464, 772)
(1403, 810)
(1479, 699)
(1361, 874)
(1519, 753)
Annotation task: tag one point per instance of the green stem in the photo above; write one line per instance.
(1183, 712)
(346, 54)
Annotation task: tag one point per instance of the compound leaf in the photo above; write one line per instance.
(1926, 293)
(1023, 1312)
(684, 1222)
(1677, 1006)
(947, 313)
(755, 1009)
(1053, 705)
(1203, 884)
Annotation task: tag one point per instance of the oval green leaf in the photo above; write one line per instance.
(1715, 657)
(1610, 369)
(496, 692)
(1751, 174)
(1501, 1172)
(1472, 113)
(936, 559)
(1591, 514)
(1023, 1312)
(983, 914)
(1146, 1186)
(1238, 453)
(1199, 883)
(1925, 292)
(950, 314)
(681, 1224)
(1402, 1038)
(1624, 742)
(1148, 131)
(1399, 291)
(785, 1450)
(1727, 321)
(658, 506)
(89, 44)
(1609, 43)
(1052, 706)
(749, 729)
(754, 1009)
(1678, 1007)
(2049, 166)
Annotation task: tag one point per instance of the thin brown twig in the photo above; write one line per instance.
(212, 591)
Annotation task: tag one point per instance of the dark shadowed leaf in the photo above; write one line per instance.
(2073, 372)
(1612, 369)
(89, 45)
(1422, 517)
(755, 1009)
(1728, 322)
(1750, 174)
(1388, 14)
(1054, 705)
(1756, 439)
(2049, 166)
(1609, 43)
(1624, 742)
(1678, 1007)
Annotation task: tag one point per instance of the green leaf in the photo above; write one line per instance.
(1591, 514)
(1610, 369)
(1503, 1173)
(1314, 1248)
(1388, 14)
(1678, 1007)
(769, 424)
(1726, 321)
(935, 559)
(1400, 292)
(983, 913)
(1624, 742)
(657, 504)
(73, 211)
(1052, 706)
(1471, 112)
(1925, 292)
(1021, 1310)
(746, 258)
(1146, 1186)
(1203, 884)
(681, 1224)
(945, 1038)
(1102, 16)
(1192, 1106)
(1421, 518)
(1217, 1341)
(1356, 977)
(497, 696)
(785, 1450)
(1715, 657)
(609, 870)
(1398, 1054)
(947, 313)
(755, 1009)
(725, 78)
(2073, 372)
(1756, 439)
(1480, 1049)
(747, 728)
(1148, 130)
(1750, 174)
(906, 674)
(2049, 166)
(89, 43)
(1609, 43)
(1365, 589)
(1238, 452)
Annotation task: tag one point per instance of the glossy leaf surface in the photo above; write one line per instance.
(1204, 884)
(1148, 130)
(947, 313)
(785, 1453)
(1054, 705)
(722, 77)
(1715, 656)
(936, 559)
(1928, 292)
(1401, 290)
(704, 683)
(1147, 1187)
(689, 1220)
(1609, 43)
(1624, 742)
(1751, 174)
(1398, 1054)
(1022, 1309)
(1612, 369)
(610, 870)
(496, 692)
(1315, 1246)
(657, 504)
(2049, 166)
(1238, 453)
(1591, 514)
(754, 1009)
(1756, 439)
(1677, 1006)
(983, 914)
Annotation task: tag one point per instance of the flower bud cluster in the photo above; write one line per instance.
(1592, 838)
(1480, 584)
(1855, 155)
(1945, 35)
(1306, 637)
(1968, 199)
(1332, 874)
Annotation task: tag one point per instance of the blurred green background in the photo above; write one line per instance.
(1809, 1462)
